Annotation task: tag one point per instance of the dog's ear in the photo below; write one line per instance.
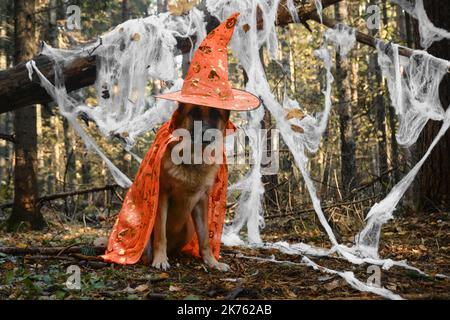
(225, 114)
(181, 107)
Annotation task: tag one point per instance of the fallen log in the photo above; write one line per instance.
(52, 197)
(52, 251)
(75, 258)
(17, 91)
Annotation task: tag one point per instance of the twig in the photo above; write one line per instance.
(118, 195)
(323, 208)
(94, 262)
(99, 44)
(8, 137)
(51, 251)
(42, 257)
(362, 37)
(68, 247)
(234, 293)
(378, 178)
(66, 194)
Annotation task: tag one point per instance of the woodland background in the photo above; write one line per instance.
(358, 162)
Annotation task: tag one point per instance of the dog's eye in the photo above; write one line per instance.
(195, 113)
(214, 113)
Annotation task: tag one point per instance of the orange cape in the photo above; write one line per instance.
(135, 221)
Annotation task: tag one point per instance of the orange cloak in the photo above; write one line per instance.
(135, 221)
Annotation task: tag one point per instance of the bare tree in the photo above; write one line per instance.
(25, 181)
(379, 109)
(344, 93)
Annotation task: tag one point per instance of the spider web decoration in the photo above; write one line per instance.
(141, 50)
(129, 56)
(429, 33)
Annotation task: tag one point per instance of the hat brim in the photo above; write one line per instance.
(242, 100)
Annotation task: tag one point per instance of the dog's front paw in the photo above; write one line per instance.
(214, 264)
(161, 262)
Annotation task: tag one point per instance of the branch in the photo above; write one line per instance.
(17, 91)
(51, 251)
(296, 213)
(360, 37)
(41, 200)
(7, 137)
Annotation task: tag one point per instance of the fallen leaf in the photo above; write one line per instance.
(295, 114)
(391, 286)
(141, 288)
(156, 278)
(8, 265)
(100, 242)
(179, 7)
(174, 288)
(231, 280)
(333, 285)
(297, 129)
(136, 37)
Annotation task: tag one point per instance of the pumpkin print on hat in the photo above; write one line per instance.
(207, 81)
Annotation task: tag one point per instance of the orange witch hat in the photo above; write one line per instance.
(207, 82)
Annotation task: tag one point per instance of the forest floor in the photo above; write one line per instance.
(422, 240)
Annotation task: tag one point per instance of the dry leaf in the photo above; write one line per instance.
(174, 288)
(297, 128)
(180, 7)
(8, 265)
(101, 242)
(141, 288)
(136, 37)
(129, 290)
(333, 285)
(295, 114)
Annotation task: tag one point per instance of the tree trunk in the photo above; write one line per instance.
(69, 176)
(162, 5)
(7, 149)
(434, 181)
(125, 11)
(379, 110)
(348, 162)
(392, 123)
(3, 117)
(25, 181)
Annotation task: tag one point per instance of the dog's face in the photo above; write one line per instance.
(210, 118)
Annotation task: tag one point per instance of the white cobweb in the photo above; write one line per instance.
(417, 79)
(429, 33)
(128, 57)
(141, 50)
(414, 89)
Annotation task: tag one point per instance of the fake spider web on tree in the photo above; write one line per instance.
(141, 50)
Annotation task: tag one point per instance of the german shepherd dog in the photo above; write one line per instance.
(183, 195)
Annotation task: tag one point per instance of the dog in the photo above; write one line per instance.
(184, 189)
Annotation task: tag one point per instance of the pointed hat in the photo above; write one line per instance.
(207, 82)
